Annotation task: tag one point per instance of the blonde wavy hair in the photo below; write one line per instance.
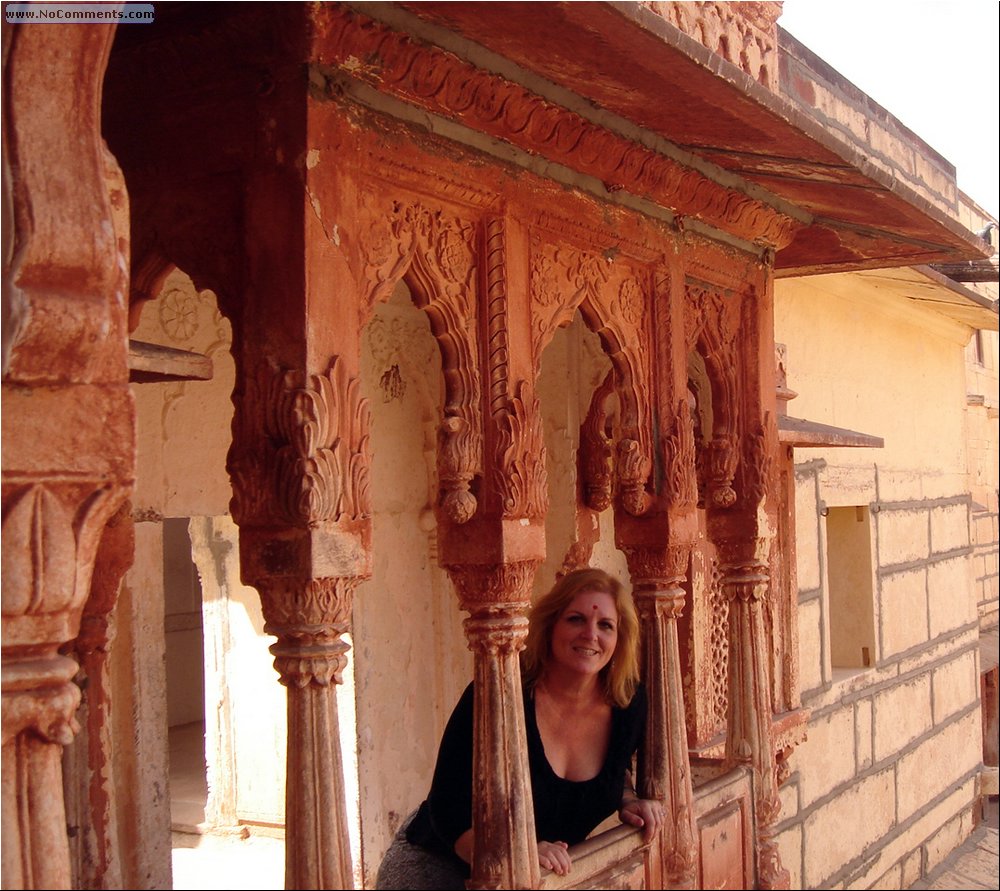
(620, 676)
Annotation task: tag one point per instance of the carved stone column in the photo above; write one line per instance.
(505, 853)
(746, 582)
(308, 616)
(657, 576)
(89, 782)
(299, 464)
(68, 435)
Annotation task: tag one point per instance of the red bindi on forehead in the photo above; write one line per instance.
(593, 606)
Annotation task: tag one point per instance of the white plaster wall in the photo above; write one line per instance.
(184, 432)
(410, 660)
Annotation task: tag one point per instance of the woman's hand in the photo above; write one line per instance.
(645, 813)
(555, 856)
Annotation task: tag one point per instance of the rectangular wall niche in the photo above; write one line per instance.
(851, 585)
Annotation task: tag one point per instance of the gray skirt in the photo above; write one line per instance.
(408, 867)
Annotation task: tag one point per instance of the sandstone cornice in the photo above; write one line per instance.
(348, 42)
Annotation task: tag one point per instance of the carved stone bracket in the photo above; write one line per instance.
(757, 464)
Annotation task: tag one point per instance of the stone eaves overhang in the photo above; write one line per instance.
(616, 92)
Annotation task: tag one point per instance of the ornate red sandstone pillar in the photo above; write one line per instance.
(657, 577)
(68, 433)
(505, 853)
(300, 479)
(747, 583)
(89, 786)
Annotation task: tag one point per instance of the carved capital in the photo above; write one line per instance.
(308, 616)
(745, 582)
(657, 578)
(497, 633)
(502, 586)
(39, 696)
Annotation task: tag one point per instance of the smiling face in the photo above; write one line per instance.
(586, 632)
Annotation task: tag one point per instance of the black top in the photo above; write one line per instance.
(564, 810)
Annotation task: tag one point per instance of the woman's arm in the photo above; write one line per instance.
(551, 855)
(644, 813)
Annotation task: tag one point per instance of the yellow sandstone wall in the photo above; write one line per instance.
(894, 748)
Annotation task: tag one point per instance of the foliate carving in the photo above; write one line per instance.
(434, 79)
(634, 468)
(721, 459)
(521, 459)
(50, 535)
(629, 302)
(318, 429)
(657, 576)
(595, 449)
(757, 463)
(679, 459)
(308, 616)
(500, 586)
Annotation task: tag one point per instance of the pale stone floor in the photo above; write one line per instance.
(252, 858)
(244, 860)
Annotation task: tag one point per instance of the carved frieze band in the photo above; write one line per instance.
(436, 80)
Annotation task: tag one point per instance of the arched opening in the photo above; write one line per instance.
(410, 658)
(574, 366)
(208, 679)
